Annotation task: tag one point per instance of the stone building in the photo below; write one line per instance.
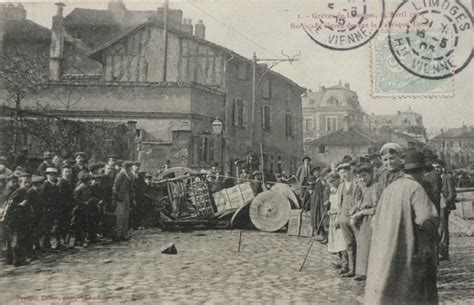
(175, 94)
(348, 140)
(325, 110)
(406, 122)
(455, 145)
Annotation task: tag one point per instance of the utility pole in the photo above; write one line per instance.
(165, 39)
(255, 83)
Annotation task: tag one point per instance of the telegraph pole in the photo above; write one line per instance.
(255, 83)
(165, 39)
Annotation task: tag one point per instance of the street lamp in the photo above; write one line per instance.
(217, 128)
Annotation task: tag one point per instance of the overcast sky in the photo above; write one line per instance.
(264, 28)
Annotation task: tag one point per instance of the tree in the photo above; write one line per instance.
(20, 75)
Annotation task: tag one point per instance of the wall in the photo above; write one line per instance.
(334, 153)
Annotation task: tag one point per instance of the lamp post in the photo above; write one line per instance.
(217, 128)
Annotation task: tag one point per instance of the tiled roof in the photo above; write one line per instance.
(340, 137)
(95, 54)
(26, 30)
(91, 17)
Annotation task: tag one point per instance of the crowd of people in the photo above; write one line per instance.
(68, 204)
(385, 216)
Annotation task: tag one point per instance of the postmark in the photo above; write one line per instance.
(344, 25)
(431, 38)
(390, 80)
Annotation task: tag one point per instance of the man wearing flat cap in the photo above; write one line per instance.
(66, 202)
(17, 222)
(79, 166)
(304, 171)
(403, 251)
(122, 193)
(48, 162)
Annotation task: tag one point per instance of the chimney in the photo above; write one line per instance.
(347, 86)
(116, 5)
(200, 29)
(345, 123)
(15, 12)
(187, 26)
(56, 53)
(3, 25)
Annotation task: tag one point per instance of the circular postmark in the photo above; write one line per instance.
(431, 39)
(345, 24)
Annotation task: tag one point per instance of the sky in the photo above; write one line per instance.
(264, 27)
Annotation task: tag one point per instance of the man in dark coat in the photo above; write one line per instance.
(314, 202)
(50, 210)
(79, 166)
(447, 204)
(66, 203)
(106, 184)
(17, 222)
(48, 162)
(304, 171)
(432, 179)
(122, 194)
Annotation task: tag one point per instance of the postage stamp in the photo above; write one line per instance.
(431, 39)
(390, 80)
(344, 25)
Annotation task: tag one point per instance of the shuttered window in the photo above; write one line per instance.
(240, 113)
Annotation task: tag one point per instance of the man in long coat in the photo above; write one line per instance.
(402, 262)
(304, 171)
(122, 192)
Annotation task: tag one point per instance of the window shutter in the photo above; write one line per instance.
(269, 117)
(245, 114)
(262, 116)
(294, 126)
(235, 120)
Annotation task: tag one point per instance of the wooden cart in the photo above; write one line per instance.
(185, 201)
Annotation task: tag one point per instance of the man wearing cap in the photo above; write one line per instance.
(349, 191)
(4, 170)
(137, 211)
(81, 229)
(392, 162)
(122, 192)
(304, 171)
(432, 179)
(377, 165)
(51, 209)
(48, 162)
(317, 207)
(79, 166)
(36, 193)
(18, 222)
(257, 182)
(403, 256)
(66, 203)
(111, 160)
(447, 204)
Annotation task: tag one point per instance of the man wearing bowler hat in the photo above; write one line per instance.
(432, 179)
(304, 171)
(403, 251)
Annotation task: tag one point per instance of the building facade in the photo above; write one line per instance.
(325, 110)
(406, 122)
(176, 93)
(455, 146)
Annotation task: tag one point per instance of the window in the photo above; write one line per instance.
(322, 149)
(331, 123)
(279, 164)
(242, 70)
(266, 117)
(308, 124)
(267, 88)
(289, 124)
(240, 113)
(206, 148)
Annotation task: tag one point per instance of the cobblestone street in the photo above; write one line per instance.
(207, 270)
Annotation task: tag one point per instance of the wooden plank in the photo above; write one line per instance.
(234, 197)
(270, 211)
